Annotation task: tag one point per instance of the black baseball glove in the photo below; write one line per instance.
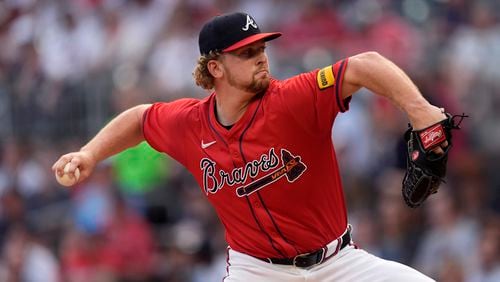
(426, 169)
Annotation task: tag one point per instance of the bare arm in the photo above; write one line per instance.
(123, 132)
(382, 77)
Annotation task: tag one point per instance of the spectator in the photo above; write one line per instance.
(487, 268)
(449, 239)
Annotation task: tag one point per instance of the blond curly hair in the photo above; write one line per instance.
(201, 74)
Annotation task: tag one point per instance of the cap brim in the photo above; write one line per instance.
(254, 38)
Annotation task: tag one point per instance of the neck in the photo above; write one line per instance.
(231, 105)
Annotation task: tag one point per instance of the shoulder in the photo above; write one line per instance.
(178, 111)
(183, 105)
(302, 81)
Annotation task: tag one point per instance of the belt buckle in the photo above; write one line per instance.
(305, 262)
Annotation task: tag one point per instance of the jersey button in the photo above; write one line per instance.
(256, 204)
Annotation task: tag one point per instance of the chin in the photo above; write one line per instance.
(265, 82)
(261, 85)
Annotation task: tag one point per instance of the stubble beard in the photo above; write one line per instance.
(256, 86)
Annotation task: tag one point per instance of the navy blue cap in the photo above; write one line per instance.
(229, 32)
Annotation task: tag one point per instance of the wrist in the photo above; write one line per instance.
(416, 107)
(90, 154)
(425, 115)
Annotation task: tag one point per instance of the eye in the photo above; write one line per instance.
(247, 53)
(250, 52)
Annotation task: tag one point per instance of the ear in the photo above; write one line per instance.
(215, 68)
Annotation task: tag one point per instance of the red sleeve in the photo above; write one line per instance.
(317, 96)
(164, 124)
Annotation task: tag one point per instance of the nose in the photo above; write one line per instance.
(262, 58)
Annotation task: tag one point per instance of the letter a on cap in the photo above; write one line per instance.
(250, 22)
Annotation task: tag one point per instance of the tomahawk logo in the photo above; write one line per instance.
(250, 22)
(292, 168)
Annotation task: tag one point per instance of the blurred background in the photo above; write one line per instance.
(68, 67)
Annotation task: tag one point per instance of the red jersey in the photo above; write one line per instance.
(273, 176)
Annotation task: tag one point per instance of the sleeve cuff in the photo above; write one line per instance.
(343, 104)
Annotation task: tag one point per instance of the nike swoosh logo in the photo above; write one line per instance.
(206, 145)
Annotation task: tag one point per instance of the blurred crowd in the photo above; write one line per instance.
(68, 67)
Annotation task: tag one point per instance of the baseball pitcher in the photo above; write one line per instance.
(261, 151)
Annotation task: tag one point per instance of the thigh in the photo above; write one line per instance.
(353, 264)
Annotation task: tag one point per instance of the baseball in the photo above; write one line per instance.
(68, 179)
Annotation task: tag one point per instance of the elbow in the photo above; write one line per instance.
(364, 63)
(368, 57)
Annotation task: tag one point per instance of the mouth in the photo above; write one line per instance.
(263, 72)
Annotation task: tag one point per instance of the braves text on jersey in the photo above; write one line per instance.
(273, 177)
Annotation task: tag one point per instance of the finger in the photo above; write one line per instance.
(66, 164)
(444, 144)
(438, 150)
(72, 165)
(59, 164)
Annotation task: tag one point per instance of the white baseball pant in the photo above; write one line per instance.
(350, 264)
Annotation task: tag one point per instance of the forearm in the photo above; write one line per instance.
(123, 132)
(384, 78)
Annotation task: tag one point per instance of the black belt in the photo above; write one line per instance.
(312, 258)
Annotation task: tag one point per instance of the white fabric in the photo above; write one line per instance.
(333, 245)
(350, 264)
